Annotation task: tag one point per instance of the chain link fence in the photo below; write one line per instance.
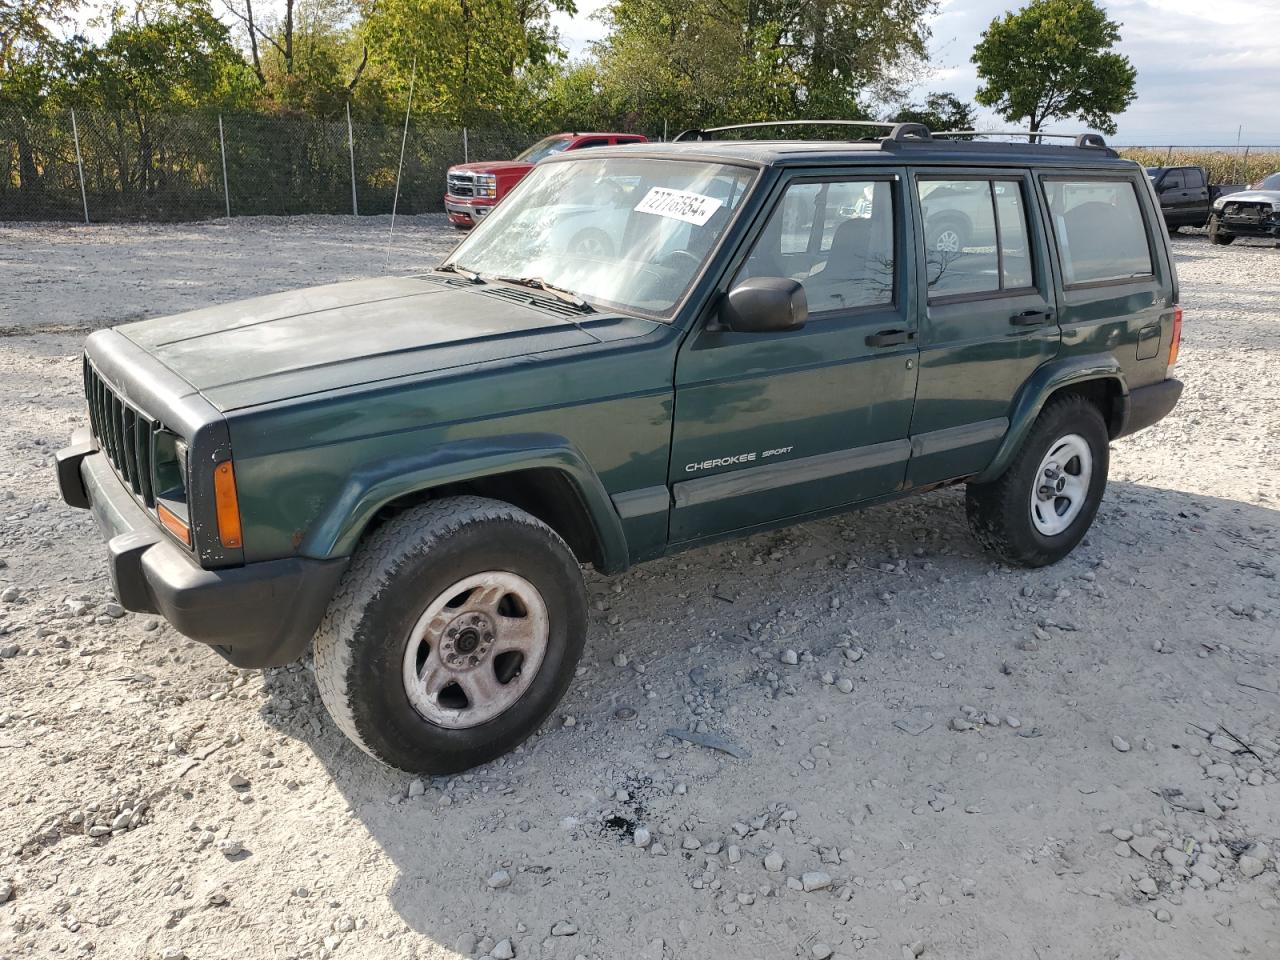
(100, 167)
(97, 166)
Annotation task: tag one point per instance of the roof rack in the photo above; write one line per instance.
(1079, 139)
(896, 131)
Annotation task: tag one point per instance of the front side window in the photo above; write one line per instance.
(1100, 230)
(836, 238)
(628, 233)
(975, 237)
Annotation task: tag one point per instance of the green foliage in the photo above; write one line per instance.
(1053, 59)
(940, 111)
(175, 55)
(31, 52)
(472, 56)
(698, 62)
(1222, 166)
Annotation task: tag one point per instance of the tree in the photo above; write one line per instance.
(940, 111)
(164, 57)
(31, 58)
(695, 62)
(1053, 59)
(472, 56)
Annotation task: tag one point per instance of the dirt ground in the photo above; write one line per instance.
(1075, 762)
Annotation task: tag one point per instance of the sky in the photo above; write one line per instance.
(1205, 67)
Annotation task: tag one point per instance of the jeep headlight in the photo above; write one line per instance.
(1219, 203)
(487, 185)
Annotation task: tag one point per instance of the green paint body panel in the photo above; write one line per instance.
(340, 400)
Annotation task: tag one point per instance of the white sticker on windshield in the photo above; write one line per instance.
(679, 205)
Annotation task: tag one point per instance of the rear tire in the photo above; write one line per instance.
(452, 636)
(1036, 512)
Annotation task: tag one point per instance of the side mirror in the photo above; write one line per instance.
(765, 305)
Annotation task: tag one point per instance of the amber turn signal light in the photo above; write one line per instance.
(228, 504)
(1177, 335)
(174, 524)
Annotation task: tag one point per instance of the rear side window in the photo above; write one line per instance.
(1194, 177)
(975, 237)
(1102, 237)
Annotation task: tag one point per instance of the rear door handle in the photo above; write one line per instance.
(1031, 318)
(890, 338)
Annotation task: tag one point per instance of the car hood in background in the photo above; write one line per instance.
(308, 341)
(493, 166)
(1254, 196)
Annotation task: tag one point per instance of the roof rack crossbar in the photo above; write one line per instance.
(1079, 139)
(896, 131)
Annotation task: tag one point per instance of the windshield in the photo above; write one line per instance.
(543, 148)
(1269, 183)
(623, 232)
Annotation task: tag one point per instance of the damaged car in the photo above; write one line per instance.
(1250, 213)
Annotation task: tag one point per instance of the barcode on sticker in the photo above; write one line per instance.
(679, 205)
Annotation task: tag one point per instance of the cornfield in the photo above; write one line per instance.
(1224, 164)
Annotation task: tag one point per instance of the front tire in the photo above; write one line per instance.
(1036, 512)
(452, 636)
(1216, 236)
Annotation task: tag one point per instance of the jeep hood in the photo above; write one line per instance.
(303, 342)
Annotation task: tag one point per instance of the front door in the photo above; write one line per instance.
(779, 425)
(989, 318)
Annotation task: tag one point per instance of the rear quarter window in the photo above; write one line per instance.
(1101, 233)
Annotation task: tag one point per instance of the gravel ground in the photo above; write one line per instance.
(931, 755)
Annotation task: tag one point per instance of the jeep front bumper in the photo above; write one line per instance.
(256, 615)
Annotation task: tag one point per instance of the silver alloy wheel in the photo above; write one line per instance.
(475, 649)
(1062, 485)
(948, 241)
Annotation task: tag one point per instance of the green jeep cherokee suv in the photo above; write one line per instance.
(641, 349)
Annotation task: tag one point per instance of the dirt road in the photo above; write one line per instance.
(1076, 762)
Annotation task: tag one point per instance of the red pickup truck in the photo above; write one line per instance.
(473, 188)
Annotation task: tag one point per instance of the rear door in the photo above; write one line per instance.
(988, 319)
(1196, 212)
(1116, 288)
(774, 426)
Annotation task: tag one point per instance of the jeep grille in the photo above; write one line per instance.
(123, 432)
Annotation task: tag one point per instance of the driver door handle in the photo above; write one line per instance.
(890, 338)
(1031, 318)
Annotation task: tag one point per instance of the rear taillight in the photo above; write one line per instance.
(1176, 340)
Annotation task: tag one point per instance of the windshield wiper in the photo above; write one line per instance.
(460, 271)
(560, 293)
